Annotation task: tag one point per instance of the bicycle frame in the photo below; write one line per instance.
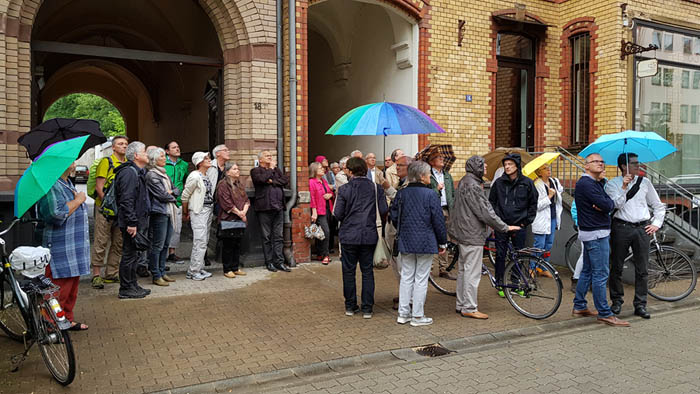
(512, 255)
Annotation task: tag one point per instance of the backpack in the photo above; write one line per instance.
(109, 203)
(92, 176)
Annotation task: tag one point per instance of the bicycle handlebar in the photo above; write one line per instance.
(15, 221)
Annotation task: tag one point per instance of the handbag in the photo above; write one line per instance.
(231, 228)
(314, 231)
(381, 250)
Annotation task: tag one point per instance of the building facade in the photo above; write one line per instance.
(535, 74)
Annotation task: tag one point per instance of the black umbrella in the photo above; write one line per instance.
(60, 129)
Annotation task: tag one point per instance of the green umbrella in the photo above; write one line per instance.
(44, 171)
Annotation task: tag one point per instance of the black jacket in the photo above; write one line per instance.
(269, 188)
(356, 209)
(132, 195)
(514, 201)
(421, 224)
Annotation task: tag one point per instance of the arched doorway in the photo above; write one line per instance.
(154, 60)
(359, 52)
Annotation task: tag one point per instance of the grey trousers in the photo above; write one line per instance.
(415, 270)
(468, 277)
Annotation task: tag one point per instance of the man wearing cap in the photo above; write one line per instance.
(197, 207)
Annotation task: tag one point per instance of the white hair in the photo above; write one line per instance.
(217, 149)
(352, 154)
(343, 160)
(153, 155)
(260, 154)
(133, 148)
(417, 170)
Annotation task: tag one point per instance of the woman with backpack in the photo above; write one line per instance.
(233, 208)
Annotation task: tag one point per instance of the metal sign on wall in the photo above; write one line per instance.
(647, 68)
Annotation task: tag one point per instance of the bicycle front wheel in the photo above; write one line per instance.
(445, 284)
(55, 346)
(672, 275)
(533, 287)
(572, 252)
(11, 320)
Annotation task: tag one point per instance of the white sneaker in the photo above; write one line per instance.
(403, 319)
(196, 276)
(421, 321)
(205, 273)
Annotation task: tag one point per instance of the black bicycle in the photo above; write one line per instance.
(672, 274)
(30, 314)
(532, 287)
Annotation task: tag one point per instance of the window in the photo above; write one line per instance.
(687, 45)
(667, 111)
(580, 88)
(656, 107)
(668, 42)
(693, 114)
(514, 45)
(656, 38)
(656, 79)
(668, 77)
(684, 114)
(685, 79)
(696, 46)
(696, 79)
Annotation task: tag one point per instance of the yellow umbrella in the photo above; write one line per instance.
(537, 162)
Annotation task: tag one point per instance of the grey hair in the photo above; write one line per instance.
(333, 165)
(153, 156)
(134, 148)
(352, 154)
(260, 154)
(417, 170)
(343, 160)
(218, 148)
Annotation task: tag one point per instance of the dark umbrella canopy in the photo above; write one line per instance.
(60, 129)
(444, 150)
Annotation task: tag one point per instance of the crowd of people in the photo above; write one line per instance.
(144, 196)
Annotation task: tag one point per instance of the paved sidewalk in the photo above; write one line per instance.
(198, 332)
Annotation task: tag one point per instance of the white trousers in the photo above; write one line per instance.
(468, 277)
(177, 229)
(415, 270)
(200, 237)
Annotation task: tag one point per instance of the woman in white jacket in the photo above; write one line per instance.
(197, 206)
(549, 208)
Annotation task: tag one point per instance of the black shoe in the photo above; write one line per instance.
(131, 294)
(642, 312)
(283, 267)
(142, 272)
(167, 268)
(271, 268)
(141, 289)
(207, 262)
(574, 283)
(350, 312)
(616, 308)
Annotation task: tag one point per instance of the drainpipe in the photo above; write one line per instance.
(280, 82)
(288, 249)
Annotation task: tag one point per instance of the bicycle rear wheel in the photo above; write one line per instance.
(55, 346)
(11, 319)
(572, 252)
(444, 285)
(672, 275)
(533, 287)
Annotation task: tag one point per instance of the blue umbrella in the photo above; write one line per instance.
(648, 146)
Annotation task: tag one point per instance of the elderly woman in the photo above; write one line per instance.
(197, 206)
(233, 208)
(65, 233)
(162, 216)
(356, 209)
(321, 207)
(549, 208)
(417, 215)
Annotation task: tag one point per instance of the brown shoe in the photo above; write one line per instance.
(230, 274)
(475, 315)
(583, 313)
(613, 321)
(448, 275)
(240, 273)
(161, 282)
(168, 279)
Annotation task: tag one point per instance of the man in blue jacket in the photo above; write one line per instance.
(514, 199)
(593, 206)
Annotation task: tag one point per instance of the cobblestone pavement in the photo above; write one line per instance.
(661, 355)
(198, 332)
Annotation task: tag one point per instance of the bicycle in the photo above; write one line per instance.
(672, 276)
(528, 289)
(30, 314)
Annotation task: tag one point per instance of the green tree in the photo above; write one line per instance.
(89, 106)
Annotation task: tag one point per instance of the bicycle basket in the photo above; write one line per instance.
(30, 261)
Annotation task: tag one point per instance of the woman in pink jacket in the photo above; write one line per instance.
(321, 206)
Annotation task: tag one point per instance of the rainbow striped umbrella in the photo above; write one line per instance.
(384, 119)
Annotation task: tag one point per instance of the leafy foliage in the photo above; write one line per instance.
(89, 106)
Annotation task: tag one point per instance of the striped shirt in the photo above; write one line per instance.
(67, 236)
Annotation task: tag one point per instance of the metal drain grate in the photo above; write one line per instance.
(434, 350)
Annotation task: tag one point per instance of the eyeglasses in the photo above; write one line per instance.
(596, 162)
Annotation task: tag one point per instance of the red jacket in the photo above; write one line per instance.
(316, 188)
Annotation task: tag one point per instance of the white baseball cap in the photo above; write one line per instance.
(198, 157)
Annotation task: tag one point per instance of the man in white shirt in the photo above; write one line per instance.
(632, 226)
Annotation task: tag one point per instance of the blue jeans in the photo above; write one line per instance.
(352, 255)
(595, 272)
(545, 241)
(159, 232)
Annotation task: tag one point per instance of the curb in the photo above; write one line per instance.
(309, 373)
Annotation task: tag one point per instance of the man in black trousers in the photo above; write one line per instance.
(632, 226)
